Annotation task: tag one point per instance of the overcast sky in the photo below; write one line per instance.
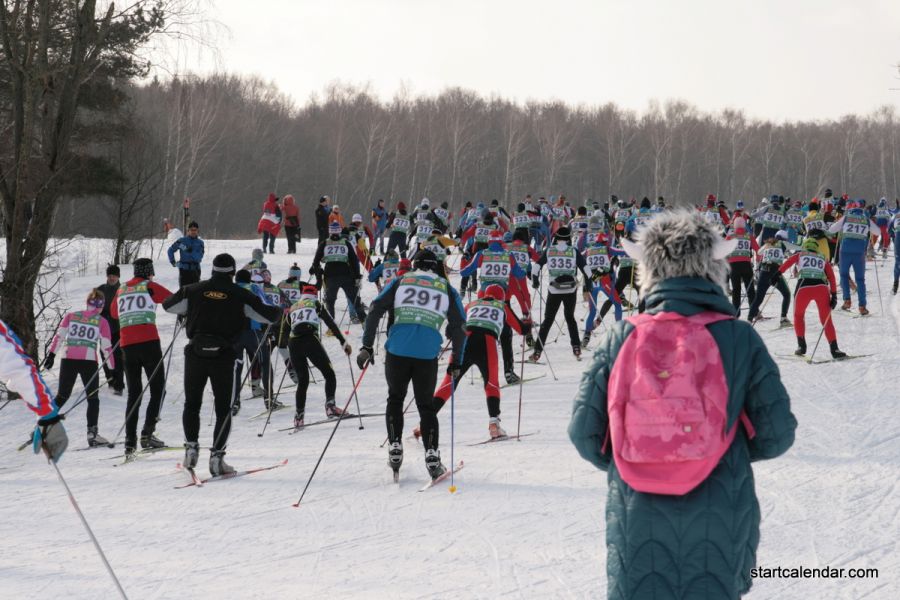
(777, 59)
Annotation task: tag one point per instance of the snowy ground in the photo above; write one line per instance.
(527, 520)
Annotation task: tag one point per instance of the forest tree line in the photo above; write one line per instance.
(226, 141)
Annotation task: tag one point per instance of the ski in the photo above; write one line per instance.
(266, 412)
(837, 360)
(192, 473)
(526, 380)
(109, 445)
(292, 430)
(142, 453)
(202, 482)
(443, 477)
(504, 438)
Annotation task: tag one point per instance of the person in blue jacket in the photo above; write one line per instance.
(702, 544)
(190, 249)
(250, 342)
(855, 228)
(422, 301)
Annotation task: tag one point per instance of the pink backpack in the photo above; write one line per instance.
(667, 404)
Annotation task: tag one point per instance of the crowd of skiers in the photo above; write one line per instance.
(637, 256)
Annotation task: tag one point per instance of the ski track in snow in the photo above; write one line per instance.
(527, 520)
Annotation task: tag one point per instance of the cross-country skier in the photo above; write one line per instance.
(854, 228)
(422, 301)
(256, 263)
(816, 280)
(306, 347)
(135, 309)
(19, 373)
(603, 278)
(341, 272)
(741, 263)
(563, 263)
(485, 318)
(215, 311)
(250, 342)
(115, 375)
(83, 332)
(771, 256)
(399, 225)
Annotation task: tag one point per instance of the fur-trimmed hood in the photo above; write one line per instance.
(680, 243)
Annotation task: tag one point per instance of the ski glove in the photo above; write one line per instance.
(833, 302)
(348, 349)
(173, 264)
(49, 360)
(50, 436)
(454, 370)
(364, 357)
(535, 281)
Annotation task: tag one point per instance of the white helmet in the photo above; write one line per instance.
(357, 218)
(424, 202)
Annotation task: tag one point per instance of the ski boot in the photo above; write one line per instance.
(217, 464)
(129, 451)
(191, 454)
(433, 463)
(846, 305)
(836, 353)
(236, 407)
(274, 404)
(535, 356)
(895, 286)
(355, 320)
(863, 311)
(333, 410)
(148, 440)
(495, 430)
(586, 339)
(117, 391)
(785, 322)
(576, 350)
(529, 339)
(95, 439)
(801, 346)
(395, 458)
(258, 391)
(298, 420)
(512, 378)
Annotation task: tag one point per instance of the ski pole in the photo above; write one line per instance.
(355, 395)
(452, 487)
(549, 364)
(405, 408)
(272, 403)
(331, 437)
(819, 339)
(878, 283)
(162, 402)
(137, 402)
(249, 369)
(87, 527)
(238, 363)
(521, 385)
(83, 395)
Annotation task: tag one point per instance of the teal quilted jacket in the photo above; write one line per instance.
(701, 545)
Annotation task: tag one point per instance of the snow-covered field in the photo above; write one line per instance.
(527, 520)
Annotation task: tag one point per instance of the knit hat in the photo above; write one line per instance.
(563, 233)
(679, 243)
(143, 268)
(223, 263)
(496, 236)
(401, 206)
(257, 254)
(295, 271)
(334, 227)
(739, 223)
(242, 276)
(357, 218)
(781, 234)
(811, 245)
(424, 202)
(113, 270)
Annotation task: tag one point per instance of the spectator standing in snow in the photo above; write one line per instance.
(270, 223)
(682, 513)
(291, 215)
(379, 225)
(322, 212)
(190, 248)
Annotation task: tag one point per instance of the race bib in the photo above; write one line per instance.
(773, 256)
(794, 218)
(857, 229)
(743, 248)
(421, 300)
(495, 268)
(389, 273)
(400, 224)
(816, 225)
(83, 332)
(520, 257)
(304, 313)
(482, 234)
(292, 293)
(486, 314)
(812, 266)
(442, 213)
(597, 260)
(772, 220)
(560, 263)
(335, 252)
(274, 298)
(136, 307)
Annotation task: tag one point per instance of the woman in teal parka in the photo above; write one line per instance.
(701, 545)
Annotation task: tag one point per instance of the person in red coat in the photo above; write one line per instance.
(270, 223)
